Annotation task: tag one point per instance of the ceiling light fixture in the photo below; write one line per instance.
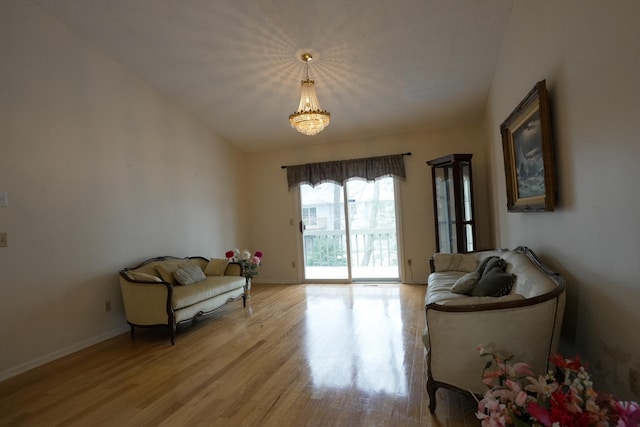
(310, 119)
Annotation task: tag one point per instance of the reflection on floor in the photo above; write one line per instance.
(297, 355)
(351, 337)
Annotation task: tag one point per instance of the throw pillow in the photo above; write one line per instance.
(465, 284)
(216, 267)
(494, 262)
(166, 269)
(494, 283)
(188, 275)
(483, 264)
(455, 262)
(144, 277)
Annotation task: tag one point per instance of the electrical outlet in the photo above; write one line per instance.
(634, 381)
(293, 264)
(409, 261)
(107, 306)
(3, 240)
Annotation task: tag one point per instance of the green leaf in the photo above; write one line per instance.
(517, 422)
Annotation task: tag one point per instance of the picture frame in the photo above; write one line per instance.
(528, 154)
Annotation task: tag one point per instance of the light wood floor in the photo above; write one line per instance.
(297, 355)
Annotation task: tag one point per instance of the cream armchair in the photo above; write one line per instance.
(525, 322)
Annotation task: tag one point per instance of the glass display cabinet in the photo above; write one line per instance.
(453, 203)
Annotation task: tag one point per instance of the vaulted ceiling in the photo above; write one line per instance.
(380, 66)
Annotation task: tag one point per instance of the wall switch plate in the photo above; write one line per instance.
(3, 240)
(4, 199)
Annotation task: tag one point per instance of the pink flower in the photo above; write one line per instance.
(539, 413)
(541, 386)
(491, 412)
(521, 398)
(491, 376)
(573, 364)
(255, 260)
(629, 413)
(519, 370)
(229, 254)
(568, 402)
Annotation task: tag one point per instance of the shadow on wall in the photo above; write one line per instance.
(568, 333)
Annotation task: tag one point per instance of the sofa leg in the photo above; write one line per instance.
(172, 331)
(431, 391)
(133, 330)
(244, 300)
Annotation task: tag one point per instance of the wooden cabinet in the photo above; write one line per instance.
(453, 203)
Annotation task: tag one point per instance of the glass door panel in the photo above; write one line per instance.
(363, 248)
(453, 203)
(324, 237)
(446, 210)
(372, 229)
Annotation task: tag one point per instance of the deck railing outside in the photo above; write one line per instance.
(374, 253)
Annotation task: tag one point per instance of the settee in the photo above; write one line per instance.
(521, 316)
(169, 291)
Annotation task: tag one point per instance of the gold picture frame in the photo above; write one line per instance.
(528, 154)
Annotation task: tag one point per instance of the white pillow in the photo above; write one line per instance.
(188, 275)
(455, 262)
(144, 277)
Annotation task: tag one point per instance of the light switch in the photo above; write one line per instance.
(3, 240)
(4, 199)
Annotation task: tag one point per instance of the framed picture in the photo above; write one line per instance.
(528, 154)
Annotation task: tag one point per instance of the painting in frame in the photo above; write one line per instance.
(528, 154)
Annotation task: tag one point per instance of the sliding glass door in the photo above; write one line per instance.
(351, 241)
(324, 232)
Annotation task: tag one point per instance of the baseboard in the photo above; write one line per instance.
(12, 372)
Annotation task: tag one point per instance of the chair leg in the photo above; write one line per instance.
(172, 330)
(431, 391)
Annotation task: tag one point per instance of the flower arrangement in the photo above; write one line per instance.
(250, 263)
(565, 399)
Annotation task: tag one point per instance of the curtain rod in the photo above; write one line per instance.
(402, 154)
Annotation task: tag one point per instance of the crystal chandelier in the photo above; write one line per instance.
(310, 119)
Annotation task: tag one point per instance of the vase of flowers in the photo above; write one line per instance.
(566, 398)
(249, 263)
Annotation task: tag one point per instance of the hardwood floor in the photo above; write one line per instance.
(297, 355)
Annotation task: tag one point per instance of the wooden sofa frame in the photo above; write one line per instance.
(432, 384)
(171, 322)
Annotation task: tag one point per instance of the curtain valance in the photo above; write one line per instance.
(340, 171)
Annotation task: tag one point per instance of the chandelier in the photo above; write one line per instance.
(310, 119)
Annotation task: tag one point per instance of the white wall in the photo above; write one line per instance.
(273, 206)
(588, 53)
(102, 172)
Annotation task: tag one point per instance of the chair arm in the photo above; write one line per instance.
(234, 269)
(518, 327)
(146, 303)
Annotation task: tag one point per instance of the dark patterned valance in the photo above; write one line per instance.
(340, 171)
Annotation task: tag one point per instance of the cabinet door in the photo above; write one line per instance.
(445, 210)
(453, 203)
(466, 193)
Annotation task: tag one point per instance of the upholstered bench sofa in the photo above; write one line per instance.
(169, 291)
(518, 310)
